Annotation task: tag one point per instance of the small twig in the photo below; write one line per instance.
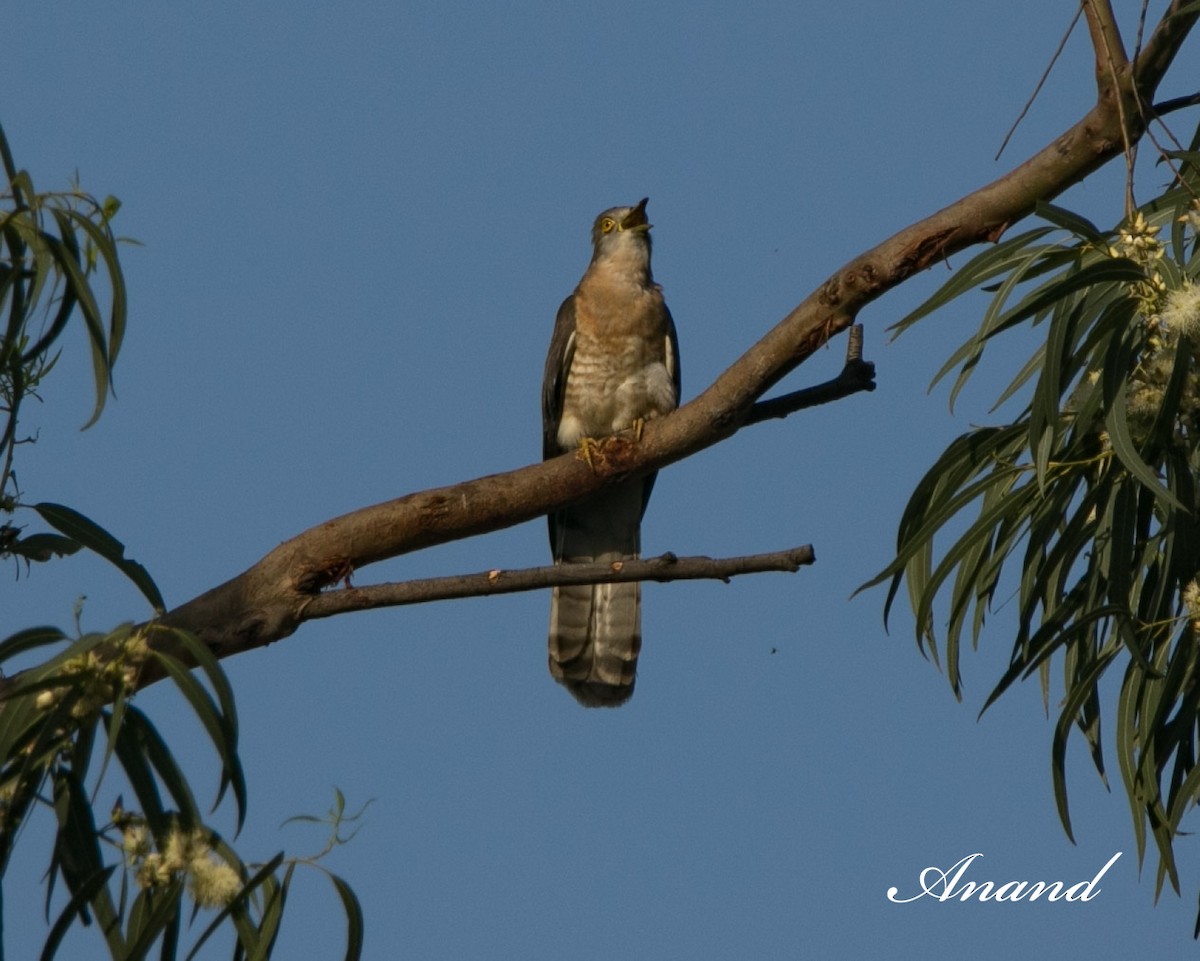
(1141, 31)
(1150, 113)
(1167, 36)
(1176, 103)
(1041, 82)
(666, 567)
(858, 375)
(1111, 62)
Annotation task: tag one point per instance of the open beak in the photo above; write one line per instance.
(636, 218)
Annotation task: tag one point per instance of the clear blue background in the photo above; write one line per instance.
(358, 221)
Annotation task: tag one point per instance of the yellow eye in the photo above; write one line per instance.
(607, 224)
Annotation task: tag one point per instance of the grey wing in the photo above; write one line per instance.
(671, 359)
(554, 381)
(554, 386)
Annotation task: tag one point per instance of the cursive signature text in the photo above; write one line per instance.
(950, 885)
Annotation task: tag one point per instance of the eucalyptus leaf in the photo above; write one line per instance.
(1093, 515)
(94, 537)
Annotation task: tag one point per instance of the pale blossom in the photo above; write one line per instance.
(1181, 311)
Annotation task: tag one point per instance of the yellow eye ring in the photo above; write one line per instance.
(607, 225)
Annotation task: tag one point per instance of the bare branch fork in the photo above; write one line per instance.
(269, 600)
(857, 375)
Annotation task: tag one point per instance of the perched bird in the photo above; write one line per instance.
(613, 364)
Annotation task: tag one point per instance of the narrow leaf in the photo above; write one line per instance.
(206, 712)
(94, 537)
(73, 909)
(1068, 220)
(28, 640)
(354, 918)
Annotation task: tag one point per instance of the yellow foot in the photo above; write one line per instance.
(586, 447)
(639, 425)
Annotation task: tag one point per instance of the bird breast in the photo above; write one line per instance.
(619, 370)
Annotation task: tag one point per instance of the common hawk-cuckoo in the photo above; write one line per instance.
(613, 364)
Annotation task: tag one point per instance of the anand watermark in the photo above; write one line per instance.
(951, 885)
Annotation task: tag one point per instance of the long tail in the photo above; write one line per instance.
(595, 637)
(596, 629)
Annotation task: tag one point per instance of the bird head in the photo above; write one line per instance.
(622, 230)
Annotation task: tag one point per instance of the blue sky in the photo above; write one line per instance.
(357, 222)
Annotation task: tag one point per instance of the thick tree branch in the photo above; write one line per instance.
(1164, 43)
(667, 567)
(1112, 66)
(1111, 58)
(267, 602)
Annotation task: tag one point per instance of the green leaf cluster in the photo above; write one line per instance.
(134, 874)
(132, 877)
(1082, 510)
(58, 263)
